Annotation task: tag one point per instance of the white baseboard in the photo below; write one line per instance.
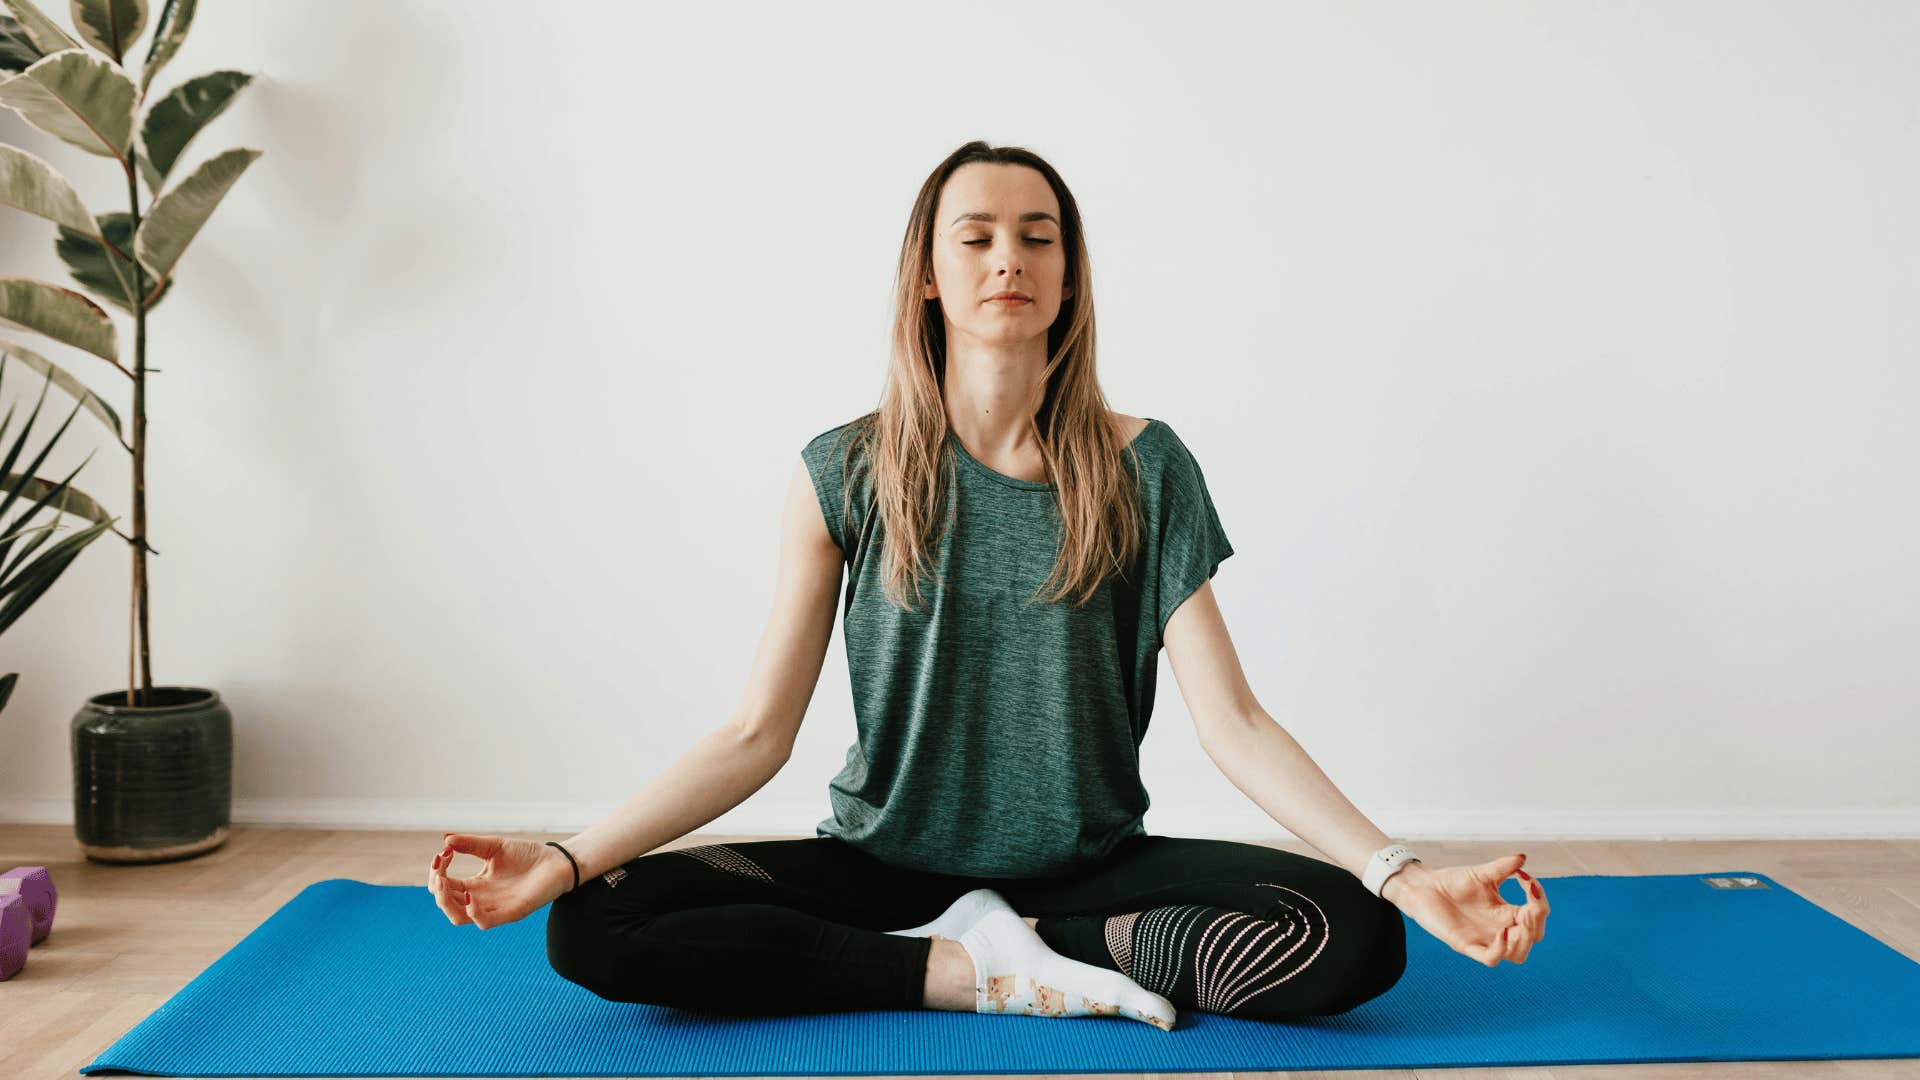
(1231, 822)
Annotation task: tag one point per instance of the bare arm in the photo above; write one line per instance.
(1259, 756)
(737, 759)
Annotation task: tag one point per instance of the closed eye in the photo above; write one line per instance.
(1030, 240)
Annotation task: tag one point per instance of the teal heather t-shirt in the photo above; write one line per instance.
(998, 738)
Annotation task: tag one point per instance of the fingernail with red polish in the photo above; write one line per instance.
(1536, 888)
(1523, 875)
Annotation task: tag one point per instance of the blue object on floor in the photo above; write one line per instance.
(352, 979)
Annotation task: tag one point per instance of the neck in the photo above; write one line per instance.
(992, 396)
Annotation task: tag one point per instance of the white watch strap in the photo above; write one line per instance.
(1384, 864)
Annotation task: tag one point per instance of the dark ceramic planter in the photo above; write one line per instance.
(152, 783)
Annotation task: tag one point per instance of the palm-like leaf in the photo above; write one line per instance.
(22, 581)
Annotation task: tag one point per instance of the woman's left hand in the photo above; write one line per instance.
(1461, 905)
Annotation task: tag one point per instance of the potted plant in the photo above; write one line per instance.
(23, 582)
(152, 765)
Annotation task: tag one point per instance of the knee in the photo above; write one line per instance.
(1366, 954)
(1378, 963)
(576, 945)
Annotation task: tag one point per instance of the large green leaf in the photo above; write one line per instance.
(17, 50)
(178, 215)
(61, 314)
(174, 120)
(74, 387)
(169, 31)
(110, 25)
(93, 264)
(77, 97)
(30, 184)
(45, 34)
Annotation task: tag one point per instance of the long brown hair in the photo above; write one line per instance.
(905, 441)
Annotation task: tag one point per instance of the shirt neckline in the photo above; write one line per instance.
(960, 451)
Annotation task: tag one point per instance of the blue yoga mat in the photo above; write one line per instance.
(352, 979)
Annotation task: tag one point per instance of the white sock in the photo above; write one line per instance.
(960, 915)
(1015, 972)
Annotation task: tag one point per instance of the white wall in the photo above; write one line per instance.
(1552, 366)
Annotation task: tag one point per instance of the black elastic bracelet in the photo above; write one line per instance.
(576, 866)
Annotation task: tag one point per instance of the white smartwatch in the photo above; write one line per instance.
(1384, 864)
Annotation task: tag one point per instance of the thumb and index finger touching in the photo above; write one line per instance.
(1499, 870)
(457, 843)
(483, 846)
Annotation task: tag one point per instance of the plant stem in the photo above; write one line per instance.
(139, 461)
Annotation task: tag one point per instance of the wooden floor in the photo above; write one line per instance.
(125, 939)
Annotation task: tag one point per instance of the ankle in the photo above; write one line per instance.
(950, 977)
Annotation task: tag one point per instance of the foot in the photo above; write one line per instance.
(960, 916)
(1032, 924)
(1015, 972)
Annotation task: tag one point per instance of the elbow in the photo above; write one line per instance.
(760, 742)
(1221, 731)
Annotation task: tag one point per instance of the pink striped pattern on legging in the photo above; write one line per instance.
(1120, 941)
(722, 857)
(1235, 955)
(1237, 951)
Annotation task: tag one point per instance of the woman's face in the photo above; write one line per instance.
(982, 247)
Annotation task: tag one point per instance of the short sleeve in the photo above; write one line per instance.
(825, 456)
(1191, 541)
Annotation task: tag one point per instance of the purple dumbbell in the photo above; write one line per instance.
(35, 886)
(16, 929)
(27, 898)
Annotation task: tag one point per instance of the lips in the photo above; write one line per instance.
(1010, 296)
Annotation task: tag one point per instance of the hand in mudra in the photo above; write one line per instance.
(1462, 906)
(516, 878)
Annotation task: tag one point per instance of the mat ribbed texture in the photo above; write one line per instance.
(351, 979)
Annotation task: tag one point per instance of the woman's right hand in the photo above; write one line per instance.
(517, 878)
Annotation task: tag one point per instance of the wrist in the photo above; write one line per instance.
(559, 868)
(1404, 880)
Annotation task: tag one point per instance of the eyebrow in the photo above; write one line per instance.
(1031, 215)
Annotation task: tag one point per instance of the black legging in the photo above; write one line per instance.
(798, 926)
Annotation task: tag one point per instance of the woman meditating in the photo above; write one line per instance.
(1015, 556)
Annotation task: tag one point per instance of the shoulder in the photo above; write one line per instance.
(1129, 426)
(836, 437)
(836, 458)
(1153, 442)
